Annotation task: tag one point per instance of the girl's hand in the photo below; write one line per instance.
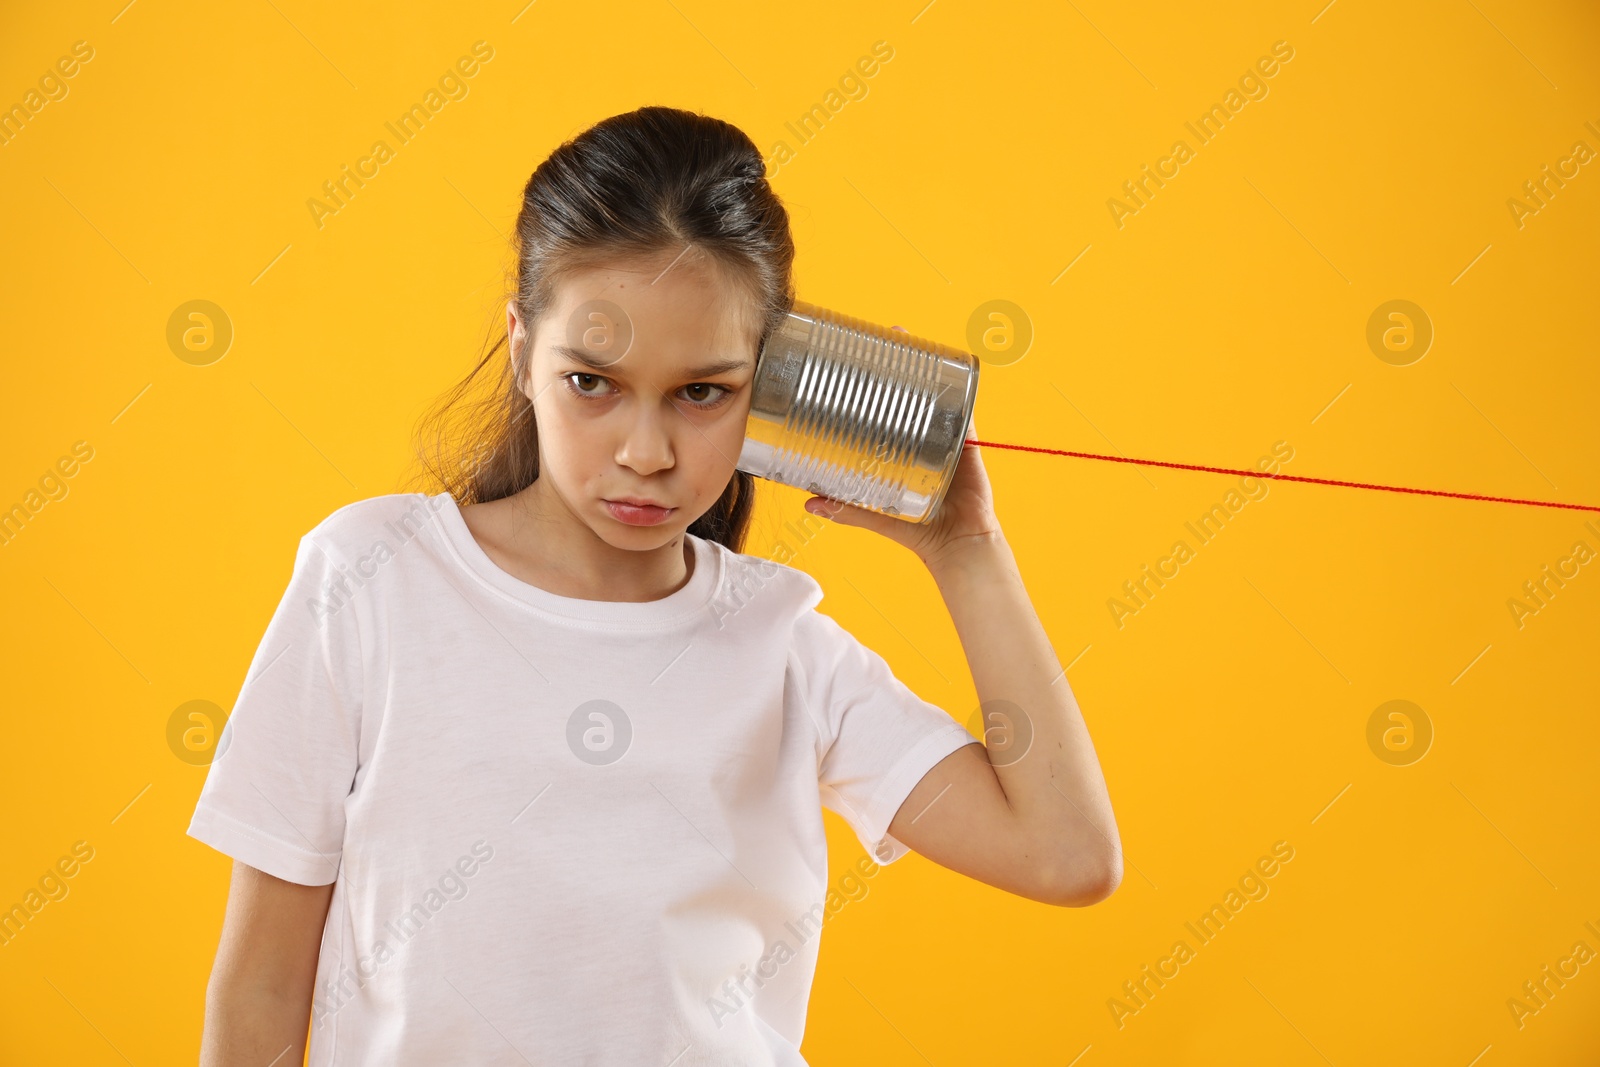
(965, 518)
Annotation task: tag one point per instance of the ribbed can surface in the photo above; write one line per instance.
(859, 413)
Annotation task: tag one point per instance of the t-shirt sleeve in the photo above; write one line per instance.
(878, 737)
(274, 797)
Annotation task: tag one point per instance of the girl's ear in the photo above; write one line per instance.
(515, 334)
(516, 345)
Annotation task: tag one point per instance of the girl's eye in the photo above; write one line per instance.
(705, 394)
(583, 384)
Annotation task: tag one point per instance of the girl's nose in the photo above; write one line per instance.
(646, 447)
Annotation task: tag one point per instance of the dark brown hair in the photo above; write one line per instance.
(640, 184)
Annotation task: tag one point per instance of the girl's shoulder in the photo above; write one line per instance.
(357, 527)
(749, 581)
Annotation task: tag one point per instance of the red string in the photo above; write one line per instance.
(1286, 477)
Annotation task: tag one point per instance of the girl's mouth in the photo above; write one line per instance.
(638, 514)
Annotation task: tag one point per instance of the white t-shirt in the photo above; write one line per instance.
(560, 831)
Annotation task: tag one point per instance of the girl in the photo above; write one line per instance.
(531, 770)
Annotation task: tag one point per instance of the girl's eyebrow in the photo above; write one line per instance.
(600, 363)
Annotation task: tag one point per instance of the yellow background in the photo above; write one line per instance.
(1226, 315)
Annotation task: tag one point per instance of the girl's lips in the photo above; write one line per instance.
(638, 514)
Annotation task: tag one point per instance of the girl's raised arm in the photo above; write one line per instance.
(1032, 818)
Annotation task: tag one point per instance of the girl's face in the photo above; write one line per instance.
(640, 380)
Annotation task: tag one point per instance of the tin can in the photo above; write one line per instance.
(859, 413)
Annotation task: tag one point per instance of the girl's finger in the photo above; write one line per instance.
(850, 515)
